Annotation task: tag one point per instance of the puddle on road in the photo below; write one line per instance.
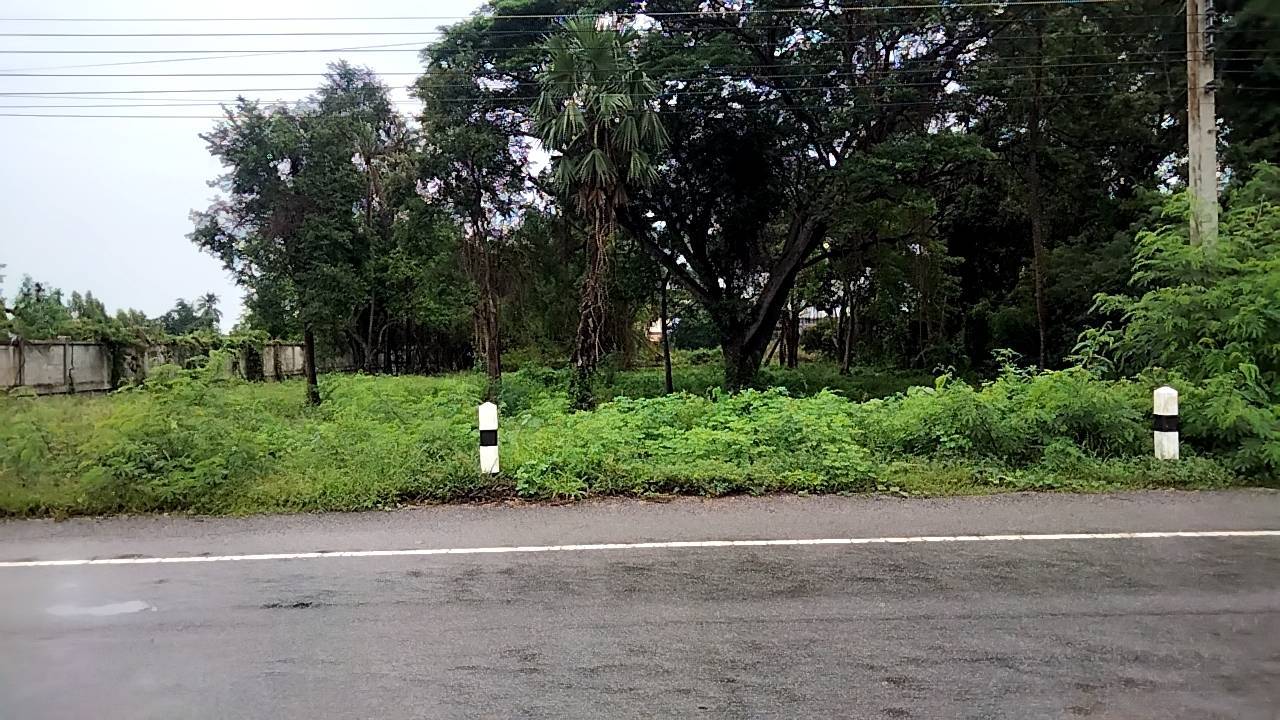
(120, 608)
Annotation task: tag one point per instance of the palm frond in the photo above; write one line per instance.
(652, 131)
(627, 134)
(596, 168)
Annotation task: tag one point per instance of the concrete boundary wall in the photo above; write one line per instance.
(55, 367)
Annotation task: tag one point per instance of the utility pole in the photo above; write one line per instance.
(1202, 132)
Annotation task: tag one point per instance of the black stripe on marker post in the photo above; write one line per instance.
(1165, 423)
(488, 438)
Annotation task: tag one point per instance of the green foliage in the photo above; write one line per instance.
(695, 356)
(703, 378)
(1211, 317)
(750, 442)
(38, 311)
(194, 440)
(320, 222)
(188, 317)
(1013, 419)
(693, 330)
(597, 116)
(596, 112)
(821, 338)
(43, 312)
(1249, 94)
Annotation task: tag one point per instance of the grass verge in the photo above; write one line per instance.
(188, 442)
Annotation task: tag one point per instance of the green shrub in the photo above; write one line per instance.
(751, 442)
(695, 356)
(1012, 419)
(820, 338)
(1211, 316)
(189, 440)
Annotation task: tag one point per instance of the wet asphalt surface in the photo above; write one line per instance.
(1155, 628)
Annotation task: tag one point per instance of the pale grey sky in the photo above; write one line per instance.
(102, 204)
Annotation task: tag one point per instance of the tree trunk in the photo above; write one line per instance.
(1038, 259)
(666, 339)
(368, 345)
(791, 330)
(592, 310)
(741, 362)
(489, 316)
(850, 329)
(745, 332)
(772, 349)
(276, 370)
(793, 345)
(1034, 209)
(309, 364)
(842, 321)
(780, 346)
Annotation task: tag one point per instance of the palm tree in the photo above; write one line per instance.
(207, 308)
(595, 115)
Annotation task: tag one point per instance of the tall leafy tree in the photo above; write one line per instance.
(1248, 63)
(596, 115)
(1078, 102)
(383, 155)
(813, 136)
(774, 102)
(287, 222)
(38, 311)
(473, 165)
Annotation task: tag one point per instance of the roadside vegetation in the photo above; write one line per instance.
(193, 442)
(933, 275)
(1202, 319)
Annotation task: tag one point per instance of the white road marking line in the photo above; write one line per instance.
(674, 544)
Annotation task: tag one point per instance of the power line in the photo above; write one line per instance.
(416, 47)
(250, 52)
(217, 102)
(313, 74)
(214, 103)
(230, 51)
(988, 21)
(761, 77)
(723, 69)
(532, 31)
(770, 109)
(191, 75)
(558, 16)
(712, 71)
(766, 83)
(417, 74)
(161, 92)
(345, 33)
(140, 117)
(360, 48)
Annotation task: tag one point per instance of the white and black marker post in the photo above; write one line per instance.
(1166, 423)
(489, 438)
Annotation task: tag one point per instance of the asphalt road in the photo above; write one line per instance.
(1101, 628)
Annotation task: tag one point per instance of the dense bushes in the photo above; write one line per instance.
(1208, 321)
(753, 441)
(1012, 419)
(191, 441)
(705, 378)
